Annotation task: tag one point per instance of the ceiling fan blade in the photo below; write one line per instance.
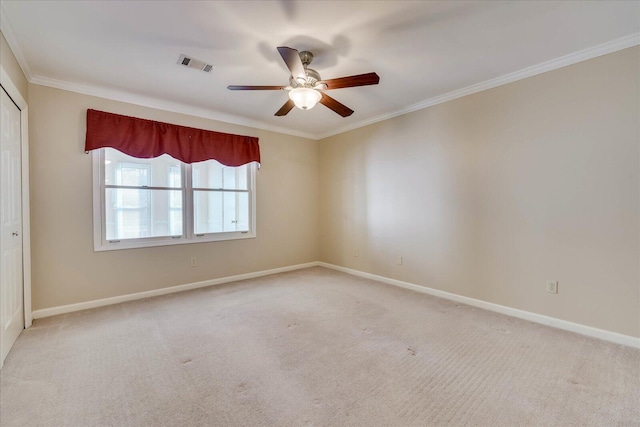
(285, 108)
(334, 105)
(352, 81)
(291, 57)
(232, 87)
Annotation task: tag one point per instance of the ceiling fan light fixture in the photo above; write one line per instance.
(305, 98)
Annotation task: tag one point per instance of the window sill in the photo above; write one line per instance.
(163, 241)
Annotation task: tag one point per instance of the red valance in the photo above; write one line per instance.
(147, 138)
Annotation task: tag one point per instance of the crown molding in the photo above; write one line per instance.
(161, 104)
(554, 64)
(9, 35)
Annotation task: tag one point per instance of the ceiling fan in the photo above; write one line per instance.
(306, 88)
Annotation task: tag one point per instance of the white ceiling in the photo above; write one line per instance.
(423, 51)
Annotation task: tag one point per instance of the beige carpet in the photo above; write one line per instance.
(311, 347)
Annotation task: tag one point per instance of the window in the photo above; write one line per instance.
(162, 201)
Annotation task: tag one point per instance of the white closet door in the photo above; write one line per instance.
(11, 275)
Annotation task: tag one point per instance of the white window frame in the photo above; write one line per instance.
(100, 242)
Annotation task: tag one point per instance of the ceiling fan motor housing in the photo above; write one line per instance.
(313, 77)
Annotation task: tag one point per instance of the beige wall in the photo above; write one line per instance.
(66, 270)
(488, 196)
(11, 66)
(491, 195)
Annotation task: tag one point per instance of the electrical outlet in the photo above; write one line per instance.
(552, 287)
(355, 252)
(399, 260)
(194, 262)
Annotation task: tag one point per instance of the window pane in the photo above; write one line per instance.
(217, 211)
(120, 169)
(236, 207)
(147, 201)
(207, 212)
(133, 214)
(211, 174)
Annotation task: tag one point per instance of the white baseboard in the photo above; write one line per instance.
(53, 311)
(513, 312)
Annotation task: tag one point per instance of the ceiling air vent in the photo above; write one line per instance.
(194, 63)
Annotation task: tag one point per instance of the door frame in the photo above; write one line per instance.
(11, 89)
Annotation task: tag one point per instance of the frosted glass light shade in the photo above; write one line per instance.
(305, 98)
